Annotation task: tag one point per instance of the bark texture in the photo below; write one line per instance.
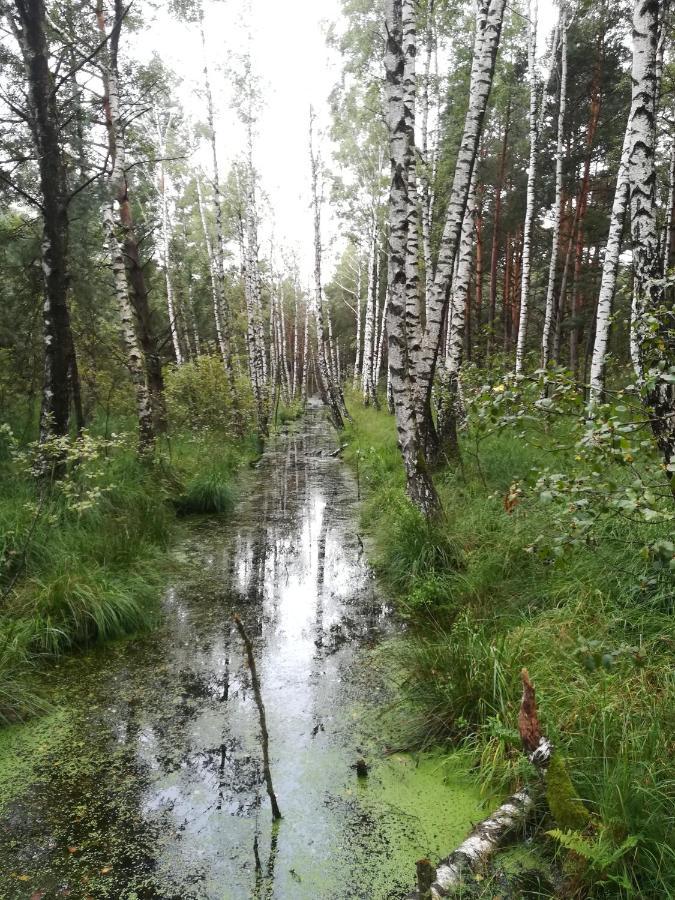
(420, 487)
(653, 324)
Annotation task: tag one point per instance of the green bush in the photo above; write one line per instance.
(199, 395)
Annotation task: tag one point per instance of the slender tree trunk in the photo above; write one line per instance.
(329, 388)
(610, 268)
(488, 30)
(369, 329)
(531, 184)
(255, 336)
(215, 295)
(451, 408)
(577, 300)
(166, 230)
(426, 163)
(296, 326)
(304, 375)
(557, 208)
(669, 242)
(413, 321)
(652, 323)
(419, 484)
(496, 222)
(116, 179)
(217, 259)
(357, 311)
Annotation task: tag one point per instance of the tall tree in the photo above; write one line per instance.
(28, 22)
(420, 487)
(653, 320)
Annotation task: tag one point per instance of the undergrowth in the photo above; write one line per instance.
(82, 560)
(592, 624)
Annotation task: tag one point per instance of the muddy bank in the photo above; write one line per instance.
(147, 781)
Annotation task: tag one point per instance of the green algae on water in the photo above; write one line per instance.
(26, 752)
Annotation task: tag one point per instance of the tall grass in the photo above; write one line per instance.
(83, 561)
(593, 627)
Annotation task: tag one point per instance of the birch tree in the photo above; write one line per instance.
(450, 406)
(531, 183)
(329, 389)
(419, 485)
(489, 20)
(653, 322)
(217, 263)
(162, 132)
(549, 307)
(610, 268)
(115, 188)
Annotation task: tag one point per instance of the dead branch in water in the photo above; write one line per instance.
(261, 713)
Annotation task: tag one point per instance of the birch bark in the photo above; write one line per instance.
(488, 30)
(531, 183)
(162, 137)
(450, 406)
(217, 259)
(652, 324)
(330, 391)
(115, 186)
(419, 485)
(610, 268)
(549, 308)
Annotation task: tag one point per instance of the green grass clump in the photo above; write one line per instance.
(593, 626)
(206, 494)
(81, 561)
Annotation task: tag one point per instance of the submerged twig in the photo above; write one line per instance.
(261, 713)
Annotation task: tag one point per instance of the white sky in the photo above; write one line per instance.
(296, 69)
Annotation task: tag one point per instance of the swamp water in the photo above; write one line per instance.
(146, 783)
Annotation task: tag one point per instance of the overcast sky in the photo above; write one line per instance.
(296, 69)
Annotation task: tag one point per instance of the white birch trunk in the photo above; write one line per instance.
(166, 231)
(531, 184)
(549, 308)
(412, 310)
(419, 485)
(215, 290)
(305, 357)
(454, 408)
(117, 152)
(488, 30)
(357, 311)
(610, 268)
(218, 259)
(652, 320)
(369, 328)
(331, 397)
(425, 169)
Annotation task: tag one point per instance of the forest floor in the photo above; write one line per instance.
(143, 777)
(593, 625)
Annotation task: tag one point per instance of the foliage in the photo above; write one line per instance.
(198, 395)
(79, 557)
(591, 623)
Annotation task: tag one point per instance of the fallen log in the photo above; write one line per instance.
(486, 838)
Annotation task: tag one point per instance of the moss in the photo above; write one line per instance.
(25, 750)
(568, 811)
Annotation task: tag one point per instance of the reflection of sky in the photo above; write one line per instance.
(291, 569)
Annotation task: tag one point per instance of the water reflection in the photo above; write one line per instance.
(175, 770)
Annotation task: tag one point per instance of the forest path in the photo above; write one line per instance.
(150, 778)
